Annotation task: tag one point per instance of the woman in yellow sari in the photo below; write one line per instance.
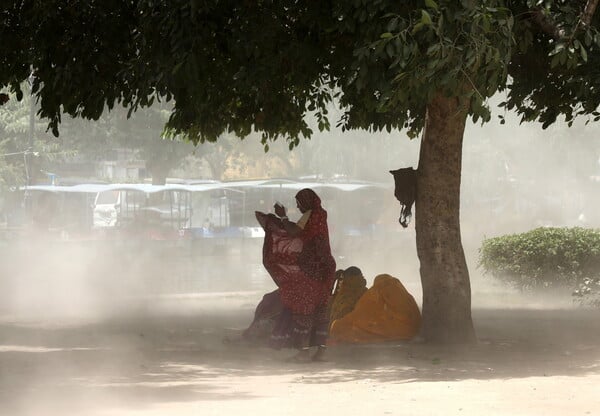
(385, 312)
(350, 287)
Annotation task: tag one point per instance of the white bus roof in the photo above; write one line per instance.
(202, 187)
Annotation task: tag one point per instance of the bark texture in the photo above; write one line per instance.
(444, 273)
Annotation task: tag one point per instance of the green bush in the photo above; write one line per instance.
(587, 292)
(543, 257)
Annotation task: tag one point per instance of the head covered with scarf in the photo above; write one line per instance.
(307, 199)
(353, 286)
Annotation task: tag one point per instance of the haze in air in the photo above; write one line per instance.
(94, 327)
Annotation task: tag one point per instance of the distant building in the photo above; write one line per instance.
(121, 165)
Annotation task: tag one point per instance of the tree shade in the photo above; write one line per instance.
(238, 66)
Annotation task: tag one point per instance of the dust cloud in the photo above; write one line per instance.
(515, 178)
(128, 327)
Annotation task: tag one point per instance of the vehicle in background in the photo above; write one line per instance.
(107, 207)
(219, 211)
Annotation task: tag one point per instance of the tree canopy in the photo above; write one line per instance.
(234, 66)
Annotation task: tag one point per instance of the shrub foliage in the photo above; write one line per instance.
(543, 257)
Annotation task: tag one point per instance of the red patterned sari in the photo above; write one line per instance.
(304, 270)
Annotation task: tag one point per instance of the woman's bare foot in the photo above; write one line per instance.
(320, 354)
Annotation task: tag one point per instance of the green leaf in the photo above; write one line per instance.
(557, 49)
(417, 27)
(390, 50)
(386, 35)
(433, 49)
(431, 4)
(583, 52)
(486, 24)
(177, 67)
(425, 18)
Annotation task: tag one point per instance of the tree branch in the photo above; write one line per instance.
(585, 18)
(547, 24)
(588, 12)
(550, 27)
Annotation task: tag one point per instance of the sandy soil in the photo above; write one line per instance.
(79, 338)
(166, 357)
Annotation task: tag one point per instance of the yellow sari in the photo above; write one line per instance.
(351, 289)
(385, 312)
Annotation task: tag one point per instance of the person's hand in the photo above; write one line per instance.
(279, 210)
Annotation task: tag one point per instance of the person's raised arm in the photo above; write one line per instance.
(290, 227)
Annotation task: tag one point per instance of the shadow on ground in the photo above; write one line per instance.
(138, 361)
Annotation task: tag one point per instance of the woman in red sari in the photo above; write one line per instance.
(298, 258)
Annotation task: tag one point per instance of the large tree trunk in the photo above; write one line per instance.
(444, 273)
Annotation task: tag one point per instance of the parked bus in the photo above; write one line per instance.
(206, 210)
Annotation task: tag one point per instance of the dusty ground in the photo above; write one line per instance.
(166, 357)
(77, 338)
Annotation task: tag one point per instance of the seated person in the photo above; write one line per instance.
(351, 285)
(385, 312)
(265, 316)
(270, 308)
